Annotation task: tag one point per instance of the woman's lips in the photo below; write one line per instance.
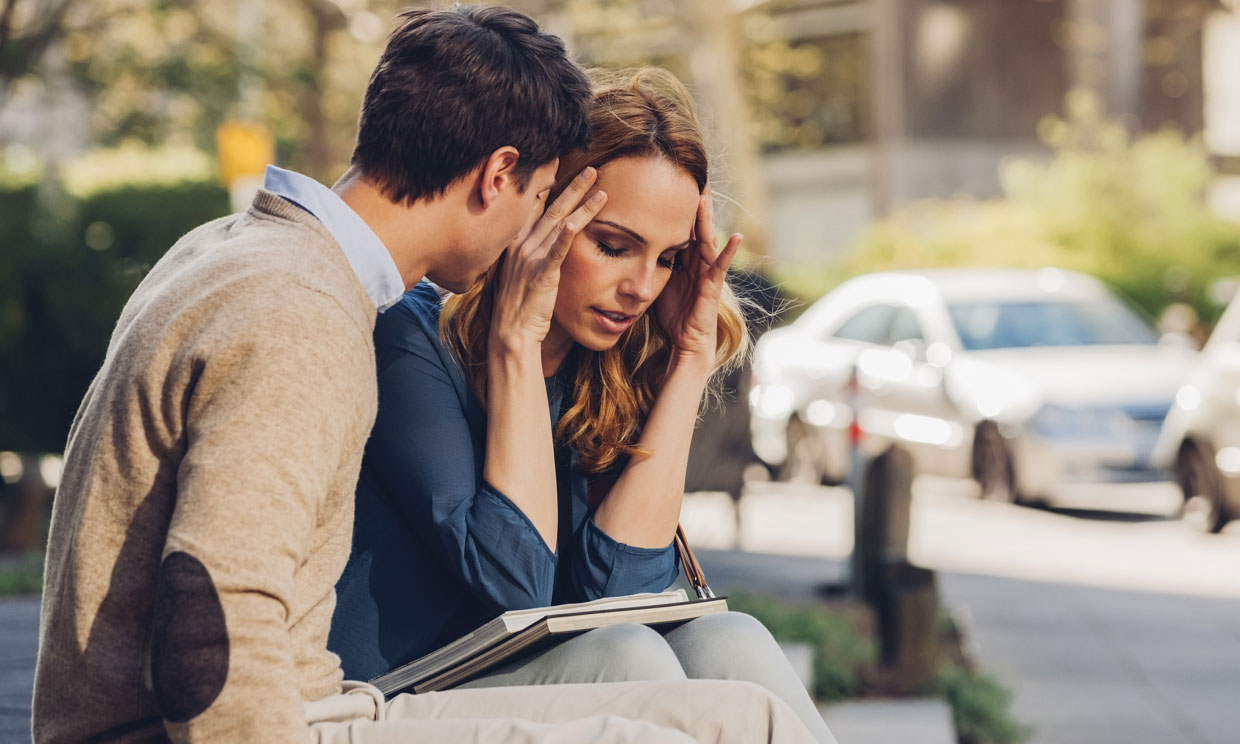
(612, 322)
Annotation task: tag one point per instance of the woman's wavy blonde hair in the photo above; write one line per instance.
(642, 113)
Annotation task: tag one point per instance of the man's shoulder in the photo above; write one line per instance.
(247, 263)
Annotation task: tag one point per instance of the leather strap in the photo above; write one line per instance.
(691, 567)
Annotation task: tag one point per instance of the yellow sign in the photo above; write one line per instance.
(245, 150)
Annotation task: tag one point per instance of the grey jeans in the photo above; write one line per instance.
(729, 645)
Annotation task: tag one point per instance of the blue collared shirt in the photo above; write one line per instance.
(366, 253)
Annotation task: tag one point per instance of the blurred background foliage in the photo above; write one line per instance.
(124, 99)
(70, 262)
(163, 72)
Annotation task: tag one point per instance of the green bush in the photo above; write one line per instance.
(979, 708)
(21, 576)
(69, 265)
(1128, 210)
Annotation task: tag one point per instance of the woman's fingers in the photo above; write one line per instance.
(713, 278)
(561, 241)
(563, 205)
(707, 236)
(720, 267)
(717, 274)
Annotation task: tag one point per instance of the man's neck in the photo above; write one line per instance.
(413, 234)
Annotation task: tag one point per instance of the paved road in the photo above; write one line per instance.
(1108, 626)
(1096, 666)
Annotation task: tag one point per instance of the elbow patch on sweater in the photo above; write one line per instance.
(189, 643)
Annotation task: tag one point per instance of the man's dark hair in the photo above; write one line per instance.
(453, 86)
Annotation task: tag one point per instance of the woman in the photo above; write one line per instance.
(573, 373)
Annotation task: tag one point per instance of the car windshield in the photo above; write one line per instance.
(1008, 325)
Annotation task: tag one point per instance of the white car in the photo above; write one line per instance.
(1200, 439)
(1021, 379)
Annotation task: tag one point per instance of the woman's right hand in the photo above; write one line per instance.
(529, 277)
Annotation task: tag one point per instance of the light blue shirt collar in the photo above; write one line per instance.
(366, 254)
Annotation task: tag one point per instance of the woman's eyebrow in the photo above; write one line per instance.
(623, 229)
(639, 238)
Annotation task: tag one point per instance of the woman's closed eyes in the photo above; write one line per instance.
(668, 260)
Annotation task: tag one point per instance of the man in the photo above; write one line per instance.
(206, 504)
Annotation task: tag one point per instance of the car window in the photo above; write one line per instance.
(1008, 325)
(868, 325)
(904, 327)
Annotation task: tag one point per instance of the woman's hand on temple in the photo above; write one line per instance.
(688, 308)
(530, 274)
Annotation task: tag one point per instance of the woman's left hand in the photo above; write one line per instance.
(688, 308)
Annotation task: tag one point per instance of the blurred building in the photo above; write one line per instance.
(960, 85)
(1221, 46)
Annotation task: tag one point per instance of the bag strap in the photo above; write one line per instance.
(691, 567)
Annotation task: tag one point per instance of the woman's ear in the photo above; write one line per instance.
(498, 173)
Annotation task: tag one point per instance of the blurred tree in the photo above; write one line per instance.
(759, 91)
(171, 71)
(27, 30)
(809, 93)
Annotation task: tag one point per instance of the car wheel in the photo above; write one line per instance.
(1203, 498)
(801, 464)
(992, 465)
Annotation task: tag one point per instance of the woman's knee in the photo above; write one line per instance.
(721, 642)
(629, 652)
(725, 630)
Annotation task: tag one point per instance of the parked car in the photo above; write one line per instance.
(1200, 439)
(1021, 379)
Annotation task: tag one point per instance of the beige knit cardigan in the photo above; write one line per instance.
(206, 504)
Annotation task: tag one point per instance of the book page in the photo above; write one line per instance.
(516, 620)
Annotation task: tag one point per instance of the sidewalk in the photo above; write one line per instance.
(19, 637)
(1104, 630)
(1099, 666)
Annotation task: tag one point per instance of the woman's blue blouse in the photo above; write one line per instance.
(438, 551)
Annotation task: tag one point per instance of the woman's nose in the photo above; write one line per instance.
(640, 284)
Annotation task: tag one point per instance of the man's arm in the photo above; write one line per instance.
(268, 421)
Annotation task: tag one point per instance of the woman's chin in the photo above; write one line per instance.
(598, 342)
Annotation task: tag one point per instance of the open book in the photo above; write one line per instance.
(522, 630)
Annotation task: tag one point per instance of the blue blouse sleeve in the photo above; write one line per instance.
(425, 456)
(603, 567)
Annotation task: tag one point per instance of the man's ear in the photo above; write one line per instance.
(498, 173)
